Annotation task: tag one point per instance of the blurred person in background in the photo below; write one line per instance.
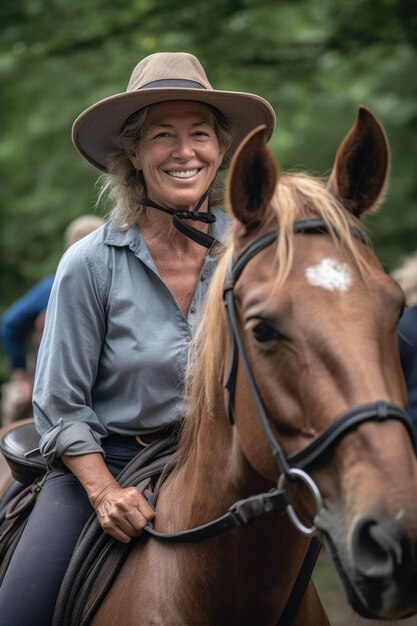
(406, 276)
(21, 331)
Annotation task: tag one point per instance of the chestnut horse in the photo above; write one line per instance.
(317, 318)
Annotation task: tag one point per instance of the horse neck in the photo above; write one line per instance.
(215, 473)
(211, 478)
(250, 562)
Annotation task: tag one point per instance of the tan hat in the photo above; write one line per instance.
(162, 77)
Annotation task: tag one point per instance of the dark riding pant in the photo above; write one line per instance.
(34, 576)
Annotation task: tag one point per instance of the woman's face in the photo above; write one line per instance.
(178, 153)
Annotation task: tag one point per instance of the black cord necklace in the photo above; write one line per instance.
(179, 217)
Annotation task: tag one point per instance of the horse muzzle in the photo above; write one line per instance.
(377, 568)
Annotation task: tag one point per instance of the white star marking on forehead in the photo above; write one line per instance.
(330, 274)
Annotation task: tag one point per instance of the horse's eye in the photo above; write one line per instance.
(265, 331)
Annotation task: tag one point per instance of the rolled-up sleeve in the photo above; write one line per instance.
(68, 359)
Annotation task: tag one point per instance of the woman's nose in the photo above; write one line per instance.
(183, 148)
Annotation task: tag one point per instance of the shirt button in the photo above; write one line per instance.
(187, 338)
(203, 277)
(193, 309)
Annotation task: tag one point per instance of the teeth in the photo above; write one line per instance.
(183, 173)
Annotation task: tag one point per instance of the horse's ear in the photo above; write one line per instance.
(361, 167)
(252, 179)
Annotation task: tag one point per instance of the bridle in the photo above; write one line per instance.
(293, 467)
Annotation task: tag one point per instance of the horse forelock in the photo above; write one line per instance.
(300, 196)
(297, 196)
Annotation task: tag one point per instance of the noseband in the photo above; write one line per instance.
(293, 467)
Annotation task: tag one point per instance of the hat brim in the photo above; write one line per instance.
(96, 130)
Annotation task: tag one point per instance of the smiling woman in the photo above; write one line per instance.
(123, 309)
(179, 153)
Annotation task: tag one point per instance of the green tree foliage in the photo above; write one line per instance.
(315, 60)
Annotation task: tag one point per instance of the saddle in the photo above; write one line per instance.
(19, 446)
(97, 558)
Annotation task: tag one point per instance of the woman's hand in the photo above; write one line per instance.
(122, 513)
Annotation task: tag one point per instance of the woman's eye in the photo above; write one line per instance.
(264, 331)
(201, 133)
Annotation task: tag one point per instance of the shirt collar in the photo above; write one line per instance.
(122, 238)
(131, 238)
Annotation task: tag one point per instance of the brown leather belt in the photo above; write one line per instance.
(140, 440)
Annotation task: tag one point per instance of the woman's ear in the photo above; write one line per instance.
(224, 147)
(361, 166)
(252, 180)
(135, 160)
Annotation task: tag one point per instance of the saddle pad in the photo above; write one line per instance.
(98, 557)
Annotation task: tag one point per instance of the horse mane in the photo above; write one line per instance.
(297, 196)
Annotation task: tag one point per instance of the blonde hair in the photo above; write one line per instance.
(406, 277)
(124, 186)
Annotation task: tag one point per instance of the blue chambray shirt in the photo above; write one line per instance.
(115, 345)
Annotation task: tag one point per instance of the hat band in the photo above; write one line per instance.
(172, 82)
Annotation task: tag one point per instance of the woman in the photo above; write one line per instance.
(123, 309)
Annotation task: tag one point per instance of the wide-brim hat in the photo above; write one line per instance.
(161, 77)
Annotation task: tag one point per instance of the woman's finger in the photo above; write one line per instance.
(133, 523)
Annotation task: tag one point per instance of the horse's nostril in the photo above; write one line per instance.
(375, 551)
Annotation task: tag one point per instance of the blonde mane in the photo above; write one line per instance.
(297, 196)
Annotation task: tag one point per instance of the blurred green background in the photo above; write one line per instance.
(314, 60)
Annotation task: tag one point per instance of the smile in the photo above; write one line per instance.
(183, 173)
